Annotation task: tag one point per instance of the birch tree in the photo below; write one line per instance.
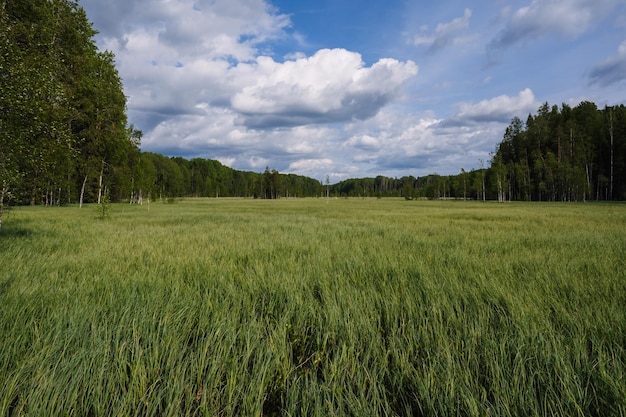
(102, 133)
(31, 124)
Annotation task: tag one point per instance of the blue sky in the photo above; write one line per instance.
(350, 88)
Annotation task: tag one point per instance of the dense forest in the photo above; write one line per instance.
(163, 177)
(65, 137)
(559, 154)
(64, 133)
(63, 125)
(566, 154)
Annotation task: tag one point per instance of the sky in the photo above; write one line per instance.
(352, 88)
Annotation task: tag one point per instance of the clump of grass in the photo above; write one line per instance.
(303, 307)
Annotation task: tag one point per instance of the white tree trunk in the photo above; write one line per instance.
(100, 182)
(611, 179)
(3, 193)
(82, 192)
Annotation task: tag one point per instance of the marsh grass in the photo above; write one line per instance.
(223, 307)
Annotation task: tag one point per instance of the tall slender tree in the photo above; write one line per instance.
(102, 133)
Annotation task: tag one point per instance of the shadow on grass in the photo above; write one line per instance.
(15, 229)
(15, 232)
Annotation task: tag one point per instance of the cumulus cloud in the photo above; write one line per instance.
(313, 167)
(330, 86)
(189, 24)
(400, 144)
(543, 17)
(611, 71)
(214, 133)
(445, 33)
(176, 56)
(500, 109)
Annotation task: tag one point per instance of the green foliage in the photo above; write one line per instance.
(311, 307)
(63, 109)
(564, 154)
(430, 186)
(32, 126)
(104, 208)
(178, 177)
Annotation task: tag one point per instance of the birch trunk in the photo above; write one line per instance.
(588, 191)
(484, 193)
(100, 182)
(3, 193)
(611, 179)
(82, 192)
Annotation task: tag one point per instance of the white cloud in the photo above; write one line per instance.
(500, 109)
(543, 17)
(456, 25)
(215, 134)
(397, 144)
(312, 167)
(611, 71)
(393, 142)
(365, 142)
(445, 33)
(191, 24)
(330, 86)
(195, 53)
(175, 55)
(257, 162)
(423, 40)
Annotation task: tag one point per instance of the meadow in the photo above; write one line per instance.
(314, 307)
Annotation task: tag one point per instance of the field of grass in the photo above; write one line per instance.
(341, 307)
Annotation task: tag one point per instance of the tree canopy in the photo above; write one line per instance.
(63, 110)
(564, 154)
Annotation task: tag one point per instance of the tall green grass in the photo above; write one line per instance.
(314, 307)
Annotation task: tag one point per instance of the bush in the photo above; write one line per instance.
(104, 208)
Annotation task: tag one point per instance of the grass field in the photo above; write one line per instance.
(341, 307)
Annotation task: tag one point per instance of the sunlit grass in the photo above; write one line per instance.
(314, 307)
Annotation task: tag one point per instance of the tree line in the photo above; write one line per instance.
(163, 177)
(558, 154)
(563, 154)
(467, 184)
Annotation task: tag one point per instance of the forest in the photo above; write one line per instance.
(63, 126)
(65, 137)
(64, 133)
(558, 154)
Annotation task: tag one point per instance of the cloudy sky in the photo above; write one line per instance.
(352, 88)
